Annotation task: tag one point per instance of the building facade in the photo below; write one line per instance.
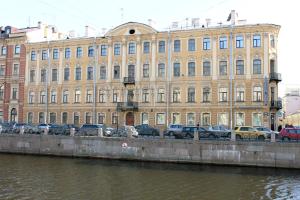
(135, 74)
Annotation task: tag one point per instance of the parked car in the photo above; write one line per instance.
(17, 127)
(64, 129)
(287, 134)
(109, 131)
(189, 131)
(91, 129)
(172, 129)
(220, 131)
(6, 127)
(248, 132)
(267, 131)
(123, 131)
(145, 129)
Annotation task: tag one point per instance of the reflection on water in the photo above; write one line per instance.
(33, 177)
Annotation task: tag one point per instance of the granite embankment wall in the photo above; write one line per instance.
(242, 153)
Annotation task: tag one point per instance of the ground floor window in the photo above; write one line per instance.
(88, 118)
(160, 118)
(41, 117)
(101, 118)
(76, 118)
(257, 119)
(1, 116)
(239, 119)
(114, 119)
(223, 119)
(176, 118)
(145, 119)
(65, 118)
(30, 118)
(52, 118)
(205, 119)
(190, 119)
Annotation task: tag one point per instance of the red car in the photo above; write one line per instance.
(287, 134)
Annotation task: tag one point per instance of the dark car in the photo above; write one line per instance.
(145, 129)
(287, 134)
(6, 127)
(91, 129)
(188, 132)
(220, 131)
(64, 129)
(28, 128)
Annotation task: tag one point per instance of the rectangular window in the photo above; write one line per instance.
(2, 70)
(160, 118)
(42, 97)
(44, 54)
(223, 119)
(53, 97)
(256, 41)
(256, 66)
(176, 95)
(14, 93)
(257, 94)
(91, 51)
(145, 118)
(32, 76)
(176, 45)
(161, 46)
(146, 47)
(206, 94)
(78, 73)
(223, 68)
(191, 69)
(239, 41)
(176, 68)
(54, 75)
(239, 119)
(145, 96)
(223, 94)
(205, 119)
(240, 94)
(192, 45)
(131, 48)
(206, 68)
(3, 50)
(190, 118)
(55, 54)
(115, 97)
(17, 49)
(33, 55)
(101, 97)
(67, 53)
(223, 42)
(114, 118)
(176, 118)
(43, 75)
(161, 95)
(64, 118)
(16, 70)
(272, 41)
(52, 118)
(240, 67)
(89, 96)
(1, 92)
(117, 49)
(67, 74)
(65, 96)
(191, 95)
(257, 119)
(101, 118)
(102, 72)
(77, 96)
(79, 52)
(161, 70)
(206, 43)
(146, 71)
(117, 72)
(90, 73)
(103, 50)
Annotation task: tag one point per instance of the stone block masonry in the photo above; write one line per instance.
(240, 153)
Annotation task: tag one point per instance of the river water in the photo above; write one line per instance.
(38, 178)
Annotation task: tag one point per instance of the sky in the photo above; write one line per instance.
(103, 15)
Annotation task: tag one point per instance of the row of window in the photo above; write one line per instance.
(160, 118)
(15, 70)
(223, 44)
(161, 71)
(17, 50)
(103, 95)
(14, 93)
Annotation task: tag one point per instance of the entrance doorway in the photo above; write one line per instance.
(273, 122)
(131, 70)
(130, 119)
(13, 115)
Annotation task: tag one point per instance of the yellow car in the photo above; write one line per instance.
(248, 132)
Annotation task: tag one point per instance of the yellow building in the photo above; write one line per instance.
(135, 74)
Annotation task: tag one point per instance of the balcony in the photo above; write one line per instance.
(128, 80)
(127, 106)
(274, 76)
(276, 105)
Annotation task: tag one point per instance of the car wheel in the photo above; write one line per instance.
(211, 136)
(238, 137)
(261, 138)
(171, 133)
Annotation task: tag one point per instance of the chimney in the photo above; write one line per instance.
(86, 33)
(233, 16)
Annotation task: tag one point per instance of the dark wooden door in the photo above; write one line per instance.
(130, 119)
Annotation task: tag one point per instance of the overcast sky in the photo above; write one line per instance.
(74, 15)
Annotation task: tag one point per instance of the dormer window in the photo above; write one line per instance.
(131, 31)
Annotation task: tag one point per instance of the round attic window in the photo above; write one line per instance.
(131, 31)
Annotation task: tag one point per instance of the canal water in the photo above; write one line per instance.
(37, 178)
